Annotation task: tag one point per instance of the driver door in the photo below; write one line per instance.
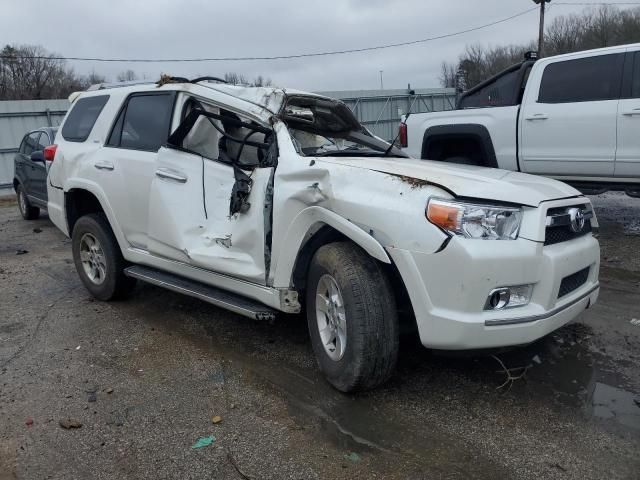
(190, 215)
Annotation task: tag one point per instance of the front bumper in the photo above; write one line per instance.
(448, 289)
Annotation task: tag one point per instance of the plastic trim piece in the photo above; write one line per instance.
(535, 318)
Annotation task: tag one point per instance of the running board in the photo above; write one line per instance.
(215, 296)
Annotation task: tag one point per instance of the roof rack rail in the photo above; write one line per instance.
(106, 85)
(164, 79)
(208, 79)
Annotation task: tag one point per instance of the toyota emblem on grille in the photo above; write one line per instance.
(576, 216)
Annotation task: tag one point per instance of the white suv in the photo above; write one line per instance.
(263, 199)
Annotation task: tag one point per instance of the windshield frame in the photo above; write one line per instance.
(346, 127)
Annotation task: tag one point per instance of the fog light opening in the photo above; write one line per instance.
(499, 298)
(508, 297)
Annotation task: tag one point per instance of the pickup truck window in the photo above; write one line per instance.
(499, 93)
(144, 123)
(582, 80)
(82, 117)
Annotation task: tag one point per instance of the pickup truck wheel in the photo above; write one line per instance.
(28, 212)
(352, 317)
(98, 258)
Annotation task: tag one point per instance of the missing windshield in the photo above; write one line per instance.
(323, 127)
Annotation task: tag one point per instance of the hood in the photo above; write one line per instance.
(467, 180)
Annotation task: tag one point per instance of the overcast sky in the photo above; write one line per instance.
(214, 28)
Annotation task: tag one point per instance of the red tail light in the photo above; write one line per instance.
(50, 152)
(402, 135)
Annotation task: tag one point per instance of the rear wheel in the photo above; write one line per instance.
(98, 258)
(28, 212)
(352, 317)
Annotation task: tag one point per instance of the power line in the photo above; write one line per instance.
(596, 3)
(277, 57)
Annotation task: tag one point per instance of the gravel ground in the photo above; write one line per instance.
(145, 376)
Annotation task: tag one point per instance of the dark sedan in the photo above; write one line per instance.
(30, 172)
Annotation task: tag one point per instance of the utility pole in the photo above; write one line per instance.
(381, 84)
(541, 32)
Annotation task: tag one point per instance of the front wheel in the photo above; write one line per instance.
(352, 317)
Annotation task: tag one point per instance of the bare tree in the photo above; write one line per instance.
(235, 78)
(127, 76)
(31, 72)
(594, 28)
(448, 75)
(261, 81)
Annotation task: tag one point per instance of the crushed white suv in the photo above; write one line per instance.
(265, 200)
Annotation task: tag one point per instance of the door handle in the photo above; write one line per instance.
(167, 174)
(629, 113)
(537, 116)
(103, 165)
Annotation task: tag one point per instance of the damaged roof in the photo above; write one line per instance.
(270, 99)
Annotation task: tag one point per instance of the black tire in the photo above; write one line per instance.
(28, 211)
(115, 283)
(372, 330)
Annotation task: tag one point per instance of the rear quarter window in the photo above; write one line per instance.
(587, 79)
(82, 118)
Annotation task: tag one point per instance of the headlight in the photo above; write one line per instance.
(489, 222)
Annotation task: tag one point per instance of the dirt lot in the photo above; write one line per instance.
(145, 376)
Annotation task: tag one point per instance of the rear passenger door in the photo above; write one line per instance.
(628, 153)
(127, 164)
(568, 126)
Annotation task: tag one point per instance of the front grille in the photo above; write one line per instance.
(573, 282)
(563, 233)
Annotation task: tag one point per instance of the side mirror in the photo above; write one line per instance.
(299, 114)
(37, 156)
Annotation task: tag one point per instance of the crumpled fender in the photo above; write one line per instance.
(300, 227)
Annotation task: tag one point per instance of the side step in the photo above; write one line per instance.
(219, 298)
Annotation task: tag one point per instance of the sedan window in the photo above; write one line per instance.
(43, 142)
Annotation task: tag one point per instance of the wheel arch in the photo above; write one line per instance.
(449, 134)
(312, 228)
(81, 199)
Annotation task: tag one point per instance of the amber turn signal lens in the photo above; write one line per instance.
(444, 216)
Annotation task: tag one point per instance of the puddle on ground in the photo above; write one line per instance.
(615, 403)
(563, 367)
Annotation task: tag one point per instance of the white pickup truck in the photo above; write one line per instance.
(572, 117)
(265, 200)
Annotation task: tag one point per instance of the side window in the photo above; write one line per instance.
(29, 143)
(635, 82)
(582, 80)
(82, 117)
(143, 124)
(43, 141)
(499, 93)
(217, 138)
